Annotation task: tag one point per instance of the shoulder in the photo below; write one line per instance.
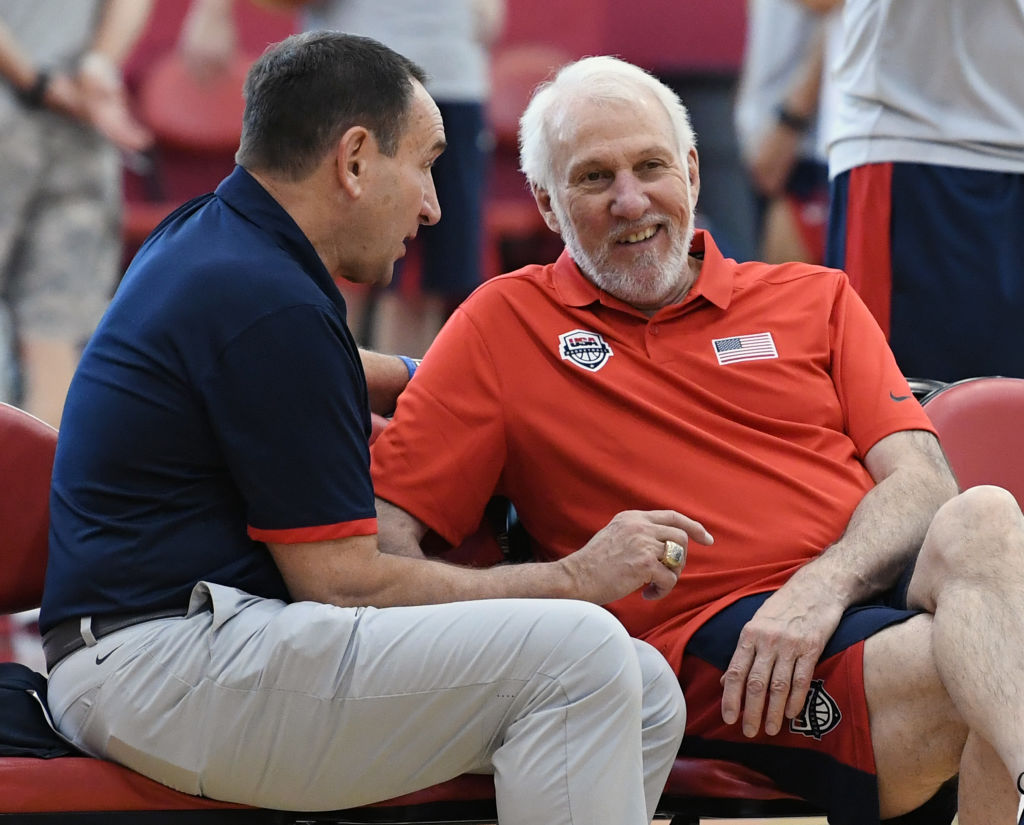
(779, 280)
(528, 285)
(787, 273)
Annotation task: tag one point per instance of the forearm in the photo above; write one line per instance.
(399, 534)
(354, 572)
(386, 377)
(120, 27)
(886, 529)
(15, 65)
(802, 97)
(489, 20)
(410, 581)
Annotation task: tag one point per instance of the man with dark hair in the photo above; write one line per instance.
(217, 614)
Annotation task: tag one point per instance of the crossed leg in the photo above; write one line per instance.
(942, 688)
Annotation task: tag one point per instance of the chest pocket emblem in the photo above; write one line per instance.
(585, 349)
(745, 348)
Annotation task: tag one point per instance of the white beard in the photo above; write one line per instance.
(646, 283)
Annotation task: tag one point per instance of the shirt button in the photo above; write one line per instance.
(654, 329)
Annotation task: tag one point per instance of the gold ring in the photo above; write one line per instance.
(674, 555)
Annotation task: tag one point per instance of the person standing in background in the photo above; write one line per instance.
(64, 117)
(927, 164)
(778, 126)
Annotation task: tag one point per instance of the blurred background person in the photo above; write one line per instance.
(63, 120)
(926, 156)
(779, 128)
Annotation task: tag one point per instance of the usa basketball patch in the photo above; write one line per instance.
(585, 349)
(820, 715)
(745, 348)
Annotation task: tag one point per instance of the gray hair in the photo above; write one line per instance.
(596, 78)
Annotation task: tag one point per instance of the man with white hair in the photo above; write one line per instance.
(852, 630)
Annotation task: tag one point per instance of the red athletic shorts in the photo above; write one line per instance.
(825, 754)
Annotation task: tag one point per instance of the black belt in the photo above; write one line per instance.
(66, 637)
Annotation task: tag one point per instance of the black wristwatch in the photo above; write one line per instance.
(791, 120)
(33, 96)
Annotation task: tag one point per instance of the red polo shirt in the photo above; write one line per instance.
(748, 407)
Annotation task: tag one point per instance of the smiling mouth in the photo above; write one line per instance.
(642, 235)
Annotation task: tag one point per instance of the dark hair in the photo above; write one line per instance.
(305, 92)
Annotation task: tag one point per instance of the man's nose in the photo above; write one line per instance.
(629, 200)
(430, 212)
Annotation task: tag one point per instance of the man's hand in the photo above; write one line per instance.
(104, 104)
(626, 555)
(770, 672)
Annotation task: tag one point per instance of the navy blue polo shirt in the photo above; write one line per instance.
(220, 404)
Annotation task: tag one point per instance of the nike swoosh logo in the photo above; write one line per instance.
(899, 397)
(101, 659)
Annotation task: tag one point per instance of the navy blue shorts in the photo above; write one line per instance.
(825, 754)
(937, 254)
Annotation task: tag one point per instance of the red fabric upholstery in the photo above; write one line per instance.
(981, 427)
(715, 778)
(511, 217)
(74, 783)
(187, 114)
(26, 461)
(83, 784)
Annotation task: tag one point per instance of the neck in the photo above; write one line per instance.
(304, 202)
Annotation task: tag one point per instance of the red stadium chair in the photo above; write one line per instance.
(514, 229)
(196, 127)
(981, 428)
(80, 789)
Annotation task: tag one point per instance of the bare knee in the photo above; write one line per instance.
(973, 538)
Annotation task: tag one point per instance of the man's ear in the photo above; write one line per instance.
(693, 169)
(544, 205)
(354, 153)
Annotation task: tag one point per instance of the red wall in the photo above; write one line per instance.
(698, 35)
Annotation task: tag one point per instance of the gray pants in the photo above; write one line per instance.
(307, 706)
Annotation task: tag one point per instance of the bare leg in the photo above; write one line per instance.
(984, 796)
(915, 730)
(970, 576)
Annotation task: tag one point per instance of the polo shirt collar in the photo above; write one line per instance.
(244, 194)
(714, 283)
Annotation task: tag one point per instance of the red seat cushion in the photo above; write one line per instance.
(26, 463)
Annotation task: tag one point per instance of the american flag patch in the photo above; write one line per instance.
(745, 348)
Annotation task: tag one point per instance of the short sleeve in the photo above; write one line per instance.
(874, 394)
(287, 398)
(441, 457)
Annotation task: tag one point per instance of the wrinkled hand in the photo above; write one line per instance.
(770, 672)
(626, 555)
